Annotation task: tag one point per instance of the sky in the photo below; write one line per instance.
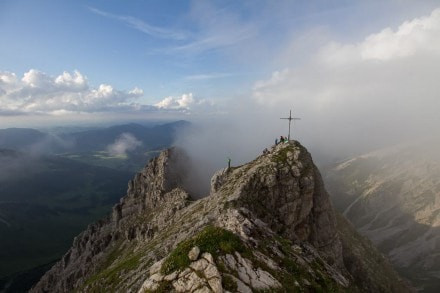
(359, 74)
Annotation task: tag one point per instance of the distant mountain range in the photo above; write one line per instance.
(95, 139)
(23, 139)
(392, 196)
(154, 138)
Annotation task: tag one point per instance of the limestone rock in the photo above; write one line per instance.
(199, 265)
(194, 253)
(255, 278)
(200, 276)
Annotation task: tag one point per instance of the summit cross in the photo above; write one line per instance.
(290, 118)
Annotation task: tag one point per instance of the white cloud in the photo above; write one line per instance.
(72, 81)
(7, 78)
(126, 142)
(187, 104)
(37, 92)
(418, 36)
(412, 37)
(183, 102)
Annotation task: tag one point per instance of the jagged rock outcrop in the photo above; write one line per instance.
(266, 225)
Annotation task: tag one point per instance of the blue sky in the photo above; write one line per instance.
(335, 62)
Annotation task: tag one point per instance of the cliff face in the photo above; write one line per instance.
(266, 225)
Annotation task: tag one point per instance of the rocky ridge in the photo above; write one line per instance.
(267, 225)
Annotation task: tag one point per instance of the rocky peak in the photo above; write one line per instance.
(284, 189)
(266, 225)
(152, 186)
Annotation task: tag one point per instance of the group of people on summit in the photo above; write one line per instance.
(265, 151)
(282, 139)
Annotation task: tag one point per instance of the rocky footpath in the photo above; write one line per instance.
(266, 226)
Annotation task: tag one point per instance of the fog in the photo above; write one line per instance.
(22, 152)
(209, 144)
(16, 166)
(126, 142)
(351, 97)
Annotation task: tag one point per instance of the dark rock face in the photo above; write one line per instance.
(277, 232)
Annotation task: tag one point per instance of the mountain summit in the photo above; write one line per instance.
(267, 225)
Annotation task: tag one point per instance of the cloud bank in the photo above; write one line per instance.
(38, 92)
(69, 93)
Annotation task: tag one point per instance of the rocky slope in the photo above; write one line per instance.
(392, 196)
(266, 226)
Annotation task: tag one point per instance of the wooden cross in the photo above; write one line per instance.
(290, 118)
